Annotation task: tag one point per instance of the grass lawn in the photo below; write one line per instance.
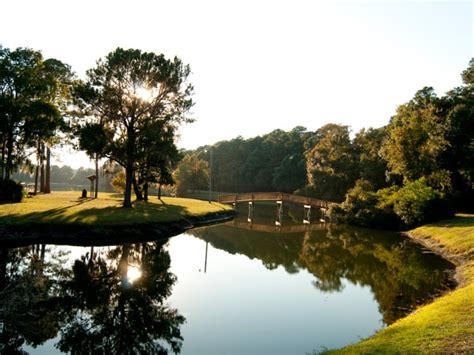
(66, 208)
(447, 324)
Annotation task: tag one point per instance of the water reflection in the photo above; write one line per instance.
(400, 274)
(114, 299)
(96, 305)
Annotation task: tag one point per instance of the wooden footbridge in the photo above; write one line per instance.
(280, 198)
(276, 197)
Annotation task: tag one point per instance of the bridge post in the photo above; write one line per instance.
(307, 214)
(279, 215)
(250, 214)
(323, 215)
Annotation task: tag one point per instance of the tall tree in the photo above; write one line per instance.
(131, 90)
(372, 167)
(93, 140)
(331, 162)
(30, 103)
(416, 137)
(192, 173)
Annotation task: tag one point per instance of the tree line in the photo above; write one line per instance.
(418, 167)
(68, 176)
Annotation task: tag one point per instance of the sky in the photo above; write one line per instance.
(262, 65)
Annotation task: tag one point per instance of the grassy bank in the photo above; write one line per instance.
(447, 324)
(66, 208)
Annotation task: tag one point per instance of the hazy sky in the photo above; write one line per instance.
(262, 65)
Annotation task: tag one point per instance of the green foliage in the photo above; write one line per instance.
(331, 165)
(93, 139)
(192, 174)
(392, 208)
(272, 162)
(372, 167)
(118, 182)
(366, 208)
(416, 137)
(417, 203)
(33, 95)
(10, 191)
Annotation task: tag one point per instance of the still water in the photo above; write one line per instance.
(236, 288)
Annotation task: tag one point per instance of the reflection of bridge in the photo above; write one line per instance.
(279, 198)
(268, 228)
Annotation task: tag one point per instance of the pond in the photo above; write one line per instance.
(236, 288)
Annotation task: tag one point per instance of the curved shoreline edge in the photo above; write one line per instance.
(446, 324)
(101, 235)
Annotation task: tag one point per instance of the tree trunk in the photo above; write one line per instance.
(127, 198)
(47, 183)
(136, 189)
(42, 167)
(145, 191)
(36, 179)
(159, 191)
(9, 163)
(38, 154)
(96, 176)
(2, 166)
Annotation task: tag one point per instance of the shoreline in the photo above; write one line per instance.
(12, 236)
(446, 324)
(436, 247)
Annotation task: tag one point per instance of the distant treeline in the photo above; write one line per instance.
(324, 163)
(70, 178)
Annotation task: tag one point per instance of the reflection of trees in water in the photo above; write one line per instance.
(29, 302)
(272, 249)
(107, 313)
(94, 305)
(399, 275)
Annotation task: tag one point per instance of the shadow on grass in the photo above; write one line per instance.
(142, 212)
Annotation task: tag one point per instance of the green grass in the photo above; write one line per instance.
(66, 208)
(447, 324)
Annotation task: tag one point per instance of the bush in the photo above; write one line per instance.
(393, 207)
(366, 208)
(418, 203)
(10, 191)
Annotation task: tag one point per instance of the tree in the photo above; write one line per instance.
(331, 163)
(57, 78)
(32, 93)
(372, 166)
(159, 155)
(93, 140)
(192, 173)
(416, 137)
(458, 109)
(130, 91)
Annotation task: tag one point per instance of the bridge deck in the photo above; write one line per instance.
(274, 196)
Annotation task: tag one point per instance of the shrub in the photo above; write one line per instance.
(366, 208)
(10, 191)
(418, 203)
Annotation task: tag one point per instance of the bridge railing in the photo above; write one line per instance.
(273, 196)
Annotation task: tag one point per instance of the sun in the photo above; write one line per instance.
(133, 273)
(145, 94)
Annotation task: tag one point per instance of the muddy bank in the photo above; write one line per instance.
(102, 235)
